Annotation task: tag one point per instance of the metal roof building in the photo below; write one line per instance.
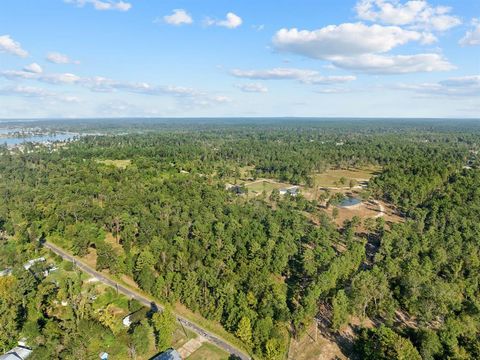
(17, 353)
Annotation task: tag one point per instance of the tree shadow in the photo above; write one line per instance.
(344, 339)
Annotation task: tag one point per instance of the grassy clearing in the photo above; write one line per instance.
(120, 164)
(210, 352)
(259, 186)
(109, 296)
(331, 178)
(307, 348)
(110, 239)
(180, 338)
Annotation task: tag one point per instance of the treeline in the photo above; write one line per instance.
(260, 267)
(182, 239)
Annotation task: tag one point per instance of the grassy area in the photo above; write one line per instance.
(109, 296)
(210, 352)
(180, 338)
(209, 325)
(121, 164)
(310, 347)
(110, 239)
(332, 177)
(265, 185)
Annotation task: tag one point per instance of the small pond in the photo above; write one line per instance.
(350, 201)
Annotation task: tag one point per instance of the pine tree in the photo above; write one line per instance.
(244, 330)
(340, 314)
(164, 325)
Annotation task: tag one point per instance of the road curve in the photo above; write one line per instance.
(147, 302)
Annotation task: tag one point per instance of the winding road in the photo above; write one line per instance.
(147, 302)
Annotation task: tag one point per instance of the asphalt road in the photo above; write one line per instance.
(147, 302)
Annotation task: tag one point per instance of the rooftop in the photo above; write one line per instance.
(170, 354)
(17, 353)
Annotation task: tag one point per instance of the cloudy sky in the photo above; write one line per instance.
(360, 58)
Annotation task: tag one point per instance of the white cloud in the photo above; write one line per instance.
(348, 39)
(220, 99)
(252, 88)
(302, 75)
(178, 17)
(35, 92)
(417, 14)
(231, 21)
(472, 82)
(54, 78)
(328, 80)
(275, 74)
(458, 86)
(188, 95)
(33, 68)
(102, 5)
(8, 45)
(361, 47)
(27, 91)
(472, 37)
(58, 58)
(331, 90)
(18, 74)
(394, 64)
(64, 78)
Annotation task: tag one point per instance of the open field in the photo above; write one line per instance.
(366, 209)
(332, 178)
(121, 164)
(267, 185)
(306, 348)
(110, 239)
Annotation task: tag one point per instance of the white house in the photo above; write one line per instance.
(293, 191)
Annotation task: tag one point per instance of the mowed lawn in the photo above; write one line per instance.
(210, 352)
(331, 178)
(265, 185)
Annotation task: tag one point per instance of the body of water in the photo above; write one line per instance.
(14, 140)
(350, 201)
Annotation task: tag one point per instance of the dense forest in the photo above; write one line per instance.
(259, 266)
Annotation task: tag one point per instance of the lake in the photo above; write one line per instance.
(14, 140)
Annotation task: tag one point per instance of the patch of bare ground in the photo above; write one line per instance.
(366, 209)
(91, 258)
(110, 239)
(321, 343)
(314, 345)
(129, 281)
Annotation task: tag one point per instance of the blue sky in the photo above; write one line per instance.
(358, 58)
